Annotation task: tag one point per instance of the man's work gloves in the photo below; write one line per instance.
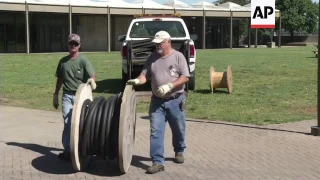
(164, 89)
(55, 100)
(133, 81)
(92, 83)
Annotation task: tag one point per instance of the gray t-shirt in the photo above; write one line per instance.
(163, 70)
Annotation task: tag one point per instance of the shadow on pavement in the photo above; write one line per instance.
(51, 164)
(48, 162)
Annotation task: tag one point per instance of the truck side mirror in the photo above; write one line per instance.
(194, 37)
(121, 38)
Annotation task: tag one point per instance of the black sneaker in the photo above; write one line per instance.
(179, 158)
(155, 168)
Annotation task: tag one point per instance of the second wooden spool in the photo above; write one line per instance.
(221, 79)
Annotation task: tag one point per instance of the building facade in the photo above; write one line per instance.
(36, 28)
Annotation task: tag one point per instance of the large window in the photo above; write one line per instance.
(11, 38)
(147, 29)
(2, 38)
(21, 38)
(12, 32)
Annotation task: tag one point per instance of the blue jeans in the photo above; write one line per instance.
(160, 112)
(67, 105)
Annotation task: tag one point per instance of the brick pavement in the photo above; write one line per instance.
(215, 150)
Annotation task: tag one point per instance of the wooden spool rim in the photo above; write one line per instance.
(212, 71)
(229, 79)
(83, 92)
(127, 126)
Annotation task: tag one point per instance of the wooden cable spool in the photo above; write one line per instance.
(221, 79)
(103, 127)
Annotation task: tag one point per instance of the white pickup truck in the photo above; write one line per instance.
(137, 45)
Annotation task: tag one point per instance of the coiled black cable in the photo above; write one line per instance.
(99, 127)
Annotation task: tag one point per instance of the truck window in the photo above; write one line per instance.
(147, 29)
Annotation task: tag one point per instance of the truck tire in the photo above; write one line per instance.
(192, 82)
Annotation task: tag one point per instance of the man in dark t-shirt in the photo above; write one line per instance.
(73, 70)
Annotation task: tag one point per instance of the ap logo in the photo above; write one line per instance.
(262, 13)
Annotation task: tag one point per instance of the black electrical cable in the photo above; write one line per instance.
(99, 127)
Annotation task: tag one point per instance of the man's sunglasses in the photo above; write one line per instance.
(72, 43)
(158, 44)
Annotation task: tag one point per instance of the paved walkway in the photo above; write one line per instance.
(30, 140)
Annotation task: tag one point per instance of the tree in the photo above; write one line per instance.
(298, 15)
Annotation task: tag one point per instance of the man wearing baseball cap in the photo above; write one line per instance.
(168, 71)
(73, 70)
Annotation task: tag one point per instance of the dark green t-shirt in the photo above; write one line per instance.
(74, 72)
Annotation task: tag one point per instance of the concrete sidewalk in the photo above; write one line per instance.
(30, 140)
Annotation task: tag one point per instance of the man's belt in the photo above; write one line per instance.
(69, 92)
(171, 97)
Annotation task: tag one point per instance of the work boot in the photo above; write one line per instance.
(179, 158)
(155, 168)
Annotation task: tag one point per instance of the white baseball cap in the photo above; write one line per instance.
(161, 36)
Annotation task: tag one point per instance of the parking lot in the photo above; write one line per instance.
(30, 140)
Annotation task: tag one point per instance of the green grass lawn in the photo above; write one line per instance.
(269, 85)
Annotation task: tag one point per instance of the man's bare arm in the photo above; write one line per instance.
(58, 85)
(142, 78)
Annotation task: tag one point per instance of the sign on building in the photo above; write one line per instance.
(263, 13)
